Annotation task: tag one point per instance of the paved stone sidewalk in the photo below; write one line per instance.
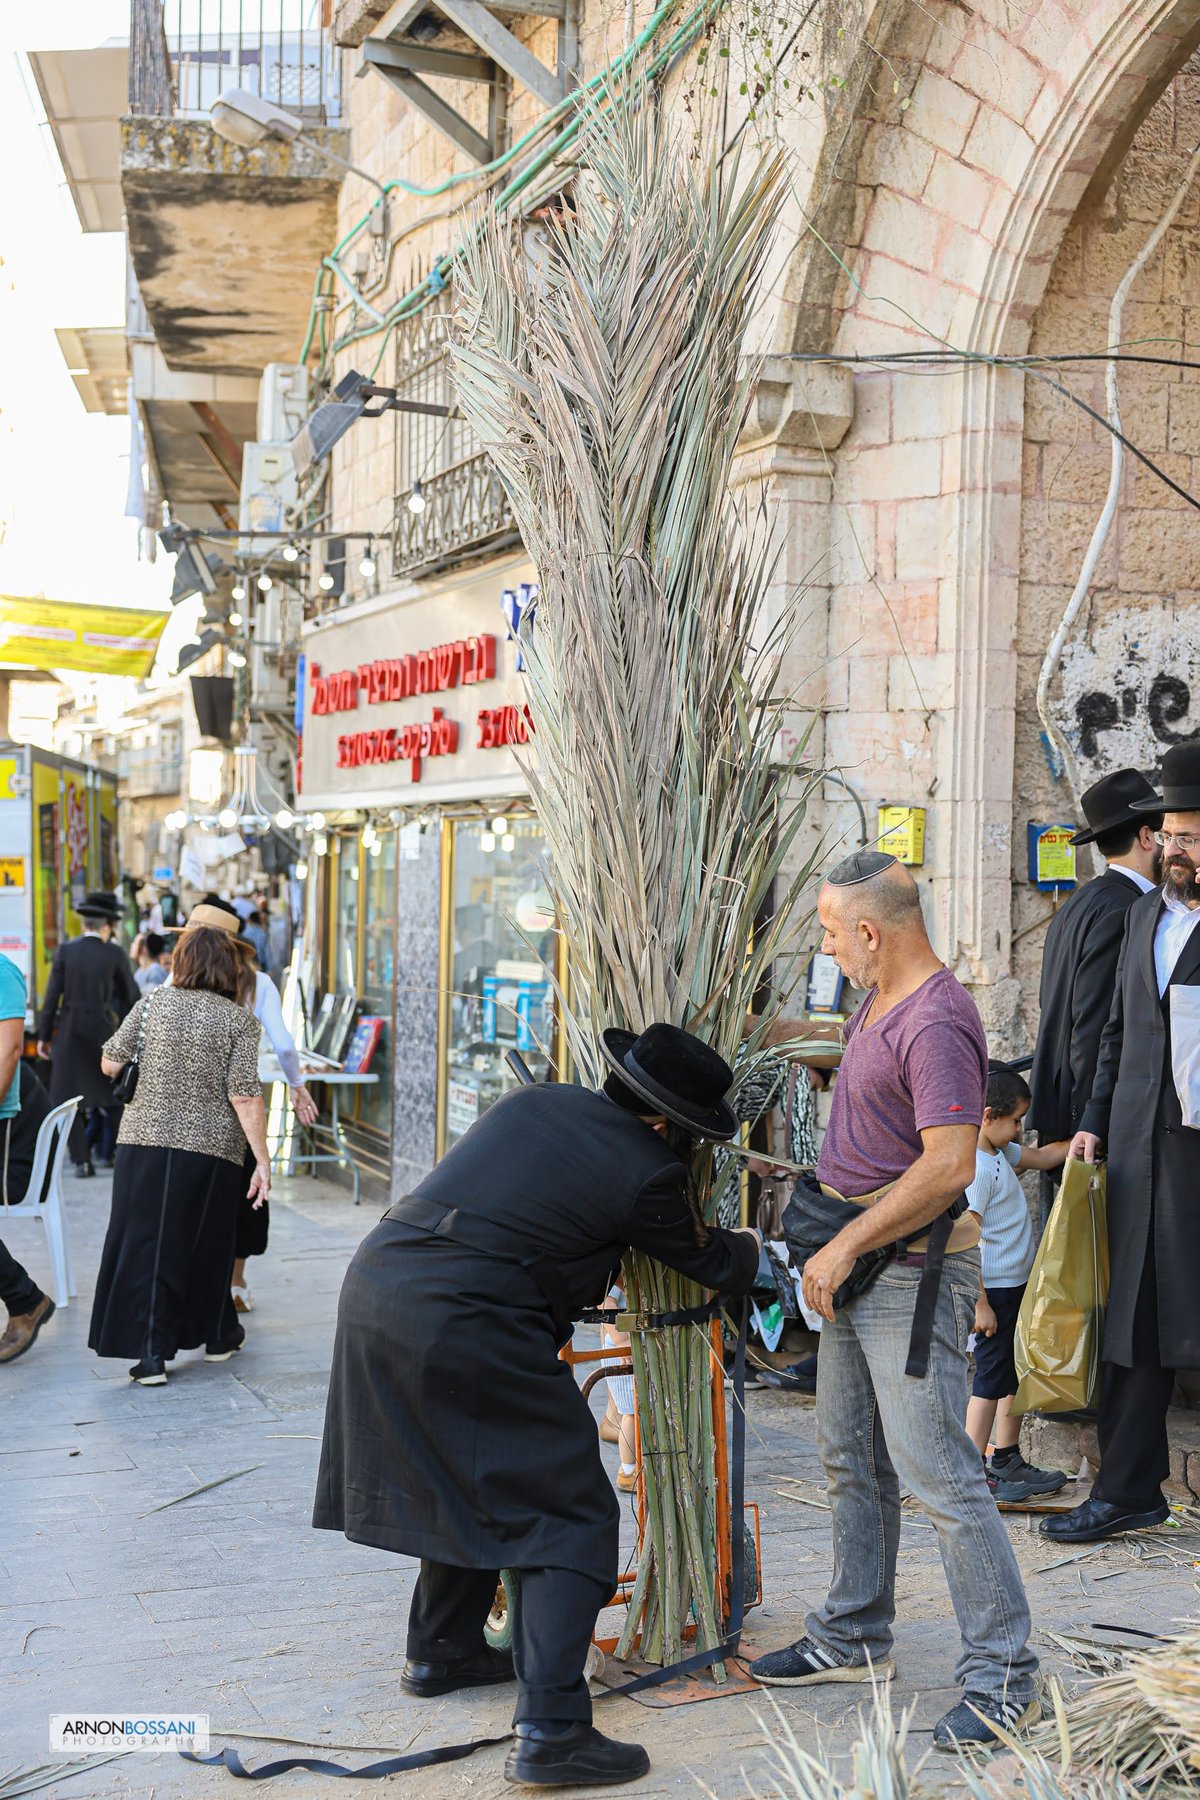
(230, 1604)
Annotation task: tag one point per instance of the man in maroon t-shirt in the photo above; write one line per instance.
(901, 1141)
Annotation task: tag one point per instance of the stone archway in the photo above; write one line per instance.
(967, 197)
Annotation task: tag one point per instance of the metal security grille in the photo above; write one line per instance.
(184, 53)
(466, 508)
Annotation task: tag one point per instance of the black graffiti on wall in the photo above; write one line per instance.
(1167, 706)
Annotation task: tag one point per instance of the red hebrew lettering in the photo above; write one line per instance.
(443, 658)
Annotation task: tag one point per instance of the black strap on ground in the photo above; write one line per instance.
(703, 1659)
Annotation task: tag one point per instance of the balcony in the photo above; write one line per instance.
(466, 509)
(224, 240)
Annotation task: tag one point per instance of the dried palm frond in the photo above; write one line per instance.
(609, 387)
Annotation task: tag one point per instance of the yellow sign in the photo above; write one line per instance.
(12, 874)
(901, 833)
(63, 634)
(1056, 855)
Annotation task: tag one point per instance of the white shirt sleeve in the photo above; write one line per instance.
(268, 1010)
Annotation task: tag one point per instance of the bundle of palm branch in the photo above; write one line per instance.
(609, 385)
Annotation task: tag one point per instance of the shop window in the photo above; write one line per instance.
(498, 947)
(377, 975)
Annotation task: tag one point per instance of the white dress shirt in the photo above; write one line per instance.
(1176, 924)
(1135, 875)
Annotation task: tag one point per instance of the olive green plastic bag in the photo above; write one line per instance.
(1060, 1328)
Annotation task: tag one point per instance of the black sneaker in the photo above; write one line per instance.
(223, 1352)
(797, 1378)
(971, 1725)
(150, 1372)
(580, 1756)
(1028, 1475)
(806, 1662)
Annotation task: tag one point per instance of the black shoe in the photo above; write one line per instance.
(969, 1725)
(84, 1169)
(223, 1351)
(102, 1162)
(487, 1668)
(1097, 1519)
(578, 1757)
(150, 1372)
(1014, 1483)
(798, 1378)
(806, 1662)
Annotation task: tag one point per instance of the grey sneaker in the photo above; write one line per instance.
(806, 1662)
(971, 1724)
(1038, 1481)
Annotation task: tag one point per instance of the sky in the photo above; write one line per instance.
(63, 471)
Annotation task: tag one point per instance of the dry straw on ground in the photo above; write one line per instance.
(609, 386)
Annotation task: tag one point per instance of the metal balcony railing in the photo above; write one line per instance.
(184, 53)
(465, 506)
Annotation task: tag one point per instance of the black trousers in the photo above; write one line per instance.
(19, 1292)
(555, 1618)
(1134, 1457)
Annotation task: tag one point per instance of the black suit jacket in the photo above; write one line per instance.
(90, 990)
(1079, 967)
(1153, 1157)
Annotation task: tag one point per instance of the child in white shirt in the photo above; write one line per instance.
(1007, 1250)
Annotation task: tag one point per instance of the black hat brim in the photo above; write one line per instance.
(719, 1122)
(1133, 814)
(1173, 800)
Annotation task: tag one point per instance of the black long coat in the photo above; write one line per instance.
(1079, 968)
(1153, 1158)
(453, 1431)
(90, 990)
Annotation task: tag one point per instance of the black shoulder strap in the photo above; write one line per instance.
(921, 1336)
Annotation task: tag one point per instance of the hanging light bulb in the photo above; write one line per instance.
(416, 500)
(317, 821)
(500, 826)
(227, 818)
(237, 660)
(487, 841)
(353, 871)
(376, 849)
(326, 582)
(320, 844)
(175, 821)
(367, 566)
(290, 553)
(265, 584)
(236, 619)
(508, 841)
(369, 835)
(301, 871)
(238, 590)
(285, 818)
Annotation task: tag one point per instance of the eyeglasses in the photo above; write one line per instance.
(1187, 843)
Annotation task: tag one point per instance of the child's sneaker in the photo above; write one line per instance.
(1016, 1480)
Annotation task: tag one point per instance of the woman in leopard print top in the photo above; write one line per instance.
(163, 1284)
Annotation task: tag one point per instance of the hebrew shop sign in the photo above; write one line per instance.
(421, 694)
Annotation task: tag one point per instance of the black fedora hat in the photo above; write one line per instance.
(1180, 781)
(677, 1074)
(1115, 800)
(99, 906)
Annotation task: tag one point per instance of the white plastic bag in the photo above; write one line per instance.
(1185, 1051)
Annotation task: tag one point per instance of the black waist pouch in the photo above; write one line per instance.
(812, 1218)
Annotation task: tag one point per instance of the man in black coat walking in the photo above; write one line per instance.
(454, 1433)
(1079, 962)
(1152, 1325)
(90, 990)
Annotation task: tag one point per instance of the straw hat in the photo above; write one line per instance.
(212, 918)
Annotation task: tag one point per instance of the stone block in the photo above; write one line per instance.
(920, 540)
(1160, 551)
(868, 679)
(1055, 553)
(958, 191)
(900, 472)
(922, 684)
(1193, 1473)
(899, 159)
(905, 229)
(942, 112)
(1000, 146)
(1183, 418)
(1145, 405)
(1147, 184)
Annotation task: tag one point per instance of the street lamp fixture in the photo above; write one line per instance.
(241, 117)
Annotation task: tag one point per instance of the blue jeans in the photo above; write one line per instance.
(878, 1427)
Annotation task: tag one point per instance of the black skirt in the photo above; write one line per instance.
(163, 1284)
(253, 1223)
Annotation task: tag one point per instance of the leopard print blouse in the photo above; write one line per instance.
(199, 1050)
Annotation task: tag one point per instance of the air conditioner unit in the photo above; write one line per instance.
(283, 403)
(269, 488)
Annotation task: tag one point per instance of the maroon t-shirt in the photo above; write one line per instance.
(924, 1063)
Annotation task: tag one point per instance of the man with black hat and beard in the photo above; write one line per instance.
(455, 1434)
(1079, 961)
(1152, 1323)
(89, 992)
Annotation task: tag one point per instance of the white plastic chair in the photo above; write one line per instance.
(49, 1154)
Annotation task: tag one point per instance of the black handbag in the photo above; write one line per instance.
(124, 1085)
(813, 1218)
